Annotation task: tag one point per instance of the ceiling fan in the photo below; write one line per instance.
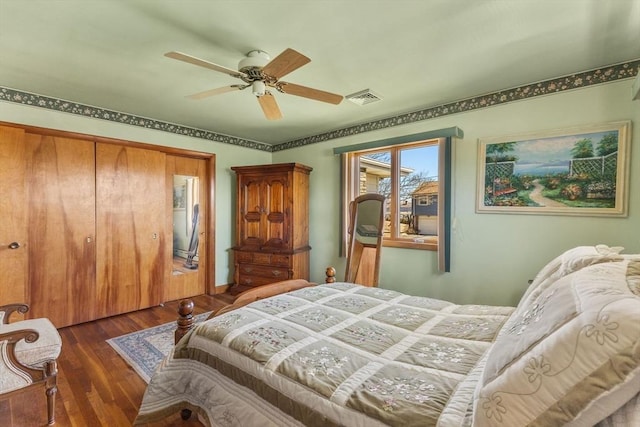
(259, 72)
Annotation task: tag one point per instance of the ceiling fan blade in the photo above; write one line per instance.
(286, 62)
(270, 106)
(202, 63)
(307, 92)
(217, 91)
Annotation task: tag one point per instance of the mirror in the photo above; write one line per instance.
(186, 220)
(366, 223)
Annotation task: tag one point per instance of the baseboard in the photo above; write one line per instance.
(221, 289)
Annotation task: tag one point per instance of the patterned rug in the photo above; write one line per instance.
(145, 349)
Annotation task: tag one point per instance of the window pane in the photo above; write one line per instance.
(375, 177)
(418, 196)
(375, 173)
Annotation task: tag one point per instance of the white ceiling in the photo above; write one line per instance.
(414, 54)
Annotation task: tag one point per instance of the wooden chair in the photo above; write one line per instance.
(29, 349)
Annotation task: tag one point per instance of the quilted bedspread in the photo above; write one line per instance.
(338, 354)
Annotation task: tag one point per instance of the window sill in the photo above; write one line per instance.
(430, 244)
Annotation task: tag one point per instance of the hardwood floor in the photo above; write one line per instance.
(96, 387)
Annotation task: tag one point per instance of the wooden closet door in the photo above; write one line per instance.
(61, 215)
(13, 227)
(131, 218)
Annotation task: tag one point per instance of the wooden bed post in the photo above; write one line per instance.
(185, 323)
(185, 319)
(331, 275)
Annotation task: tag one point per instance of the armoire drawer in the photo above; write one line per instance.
(263, 258)
(244, 257)
(282, 260)
(251, 280)
(273, 273)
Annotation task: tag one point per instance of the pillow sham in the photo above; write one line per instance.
(568, 262)
(572, 356)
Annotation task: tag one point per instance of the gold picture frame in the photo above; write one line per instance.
(575, 171)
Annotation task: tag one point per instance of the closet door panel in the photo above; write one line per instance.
(61, 214)
(182, 281)
(131, 219)
(13, 227)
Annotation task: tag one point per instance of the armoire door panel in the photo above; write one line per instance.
(300, 209)
(275, 197)
(130, 219)
(252, 210)
(61, 217)
(13, 227)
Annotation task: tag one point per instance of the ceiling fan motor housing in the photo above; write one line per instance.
(252, 65)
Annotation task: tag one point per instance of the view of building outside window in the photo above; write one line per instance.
(417, 198)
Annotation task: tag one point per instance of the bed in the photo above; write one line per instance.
(346, 355)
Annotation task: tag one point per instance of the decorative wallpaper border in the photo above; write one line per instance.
(602, 75)
(579, 80)
(26, 98)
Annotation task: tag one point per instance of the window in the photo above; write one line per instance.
(408, 176)
(400, 155)
(427, 200)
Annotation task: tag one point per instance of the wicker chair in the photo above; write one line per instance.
(29, 349)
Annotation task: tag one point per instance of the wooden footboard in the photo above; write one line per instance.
(186, 306)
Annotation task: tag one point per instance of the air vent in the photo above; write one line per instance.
(364, 97)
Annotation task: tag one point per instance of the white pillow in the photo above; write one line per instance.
(568, 262)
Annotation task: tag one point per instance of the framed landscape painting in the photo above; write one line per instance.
(577, 171)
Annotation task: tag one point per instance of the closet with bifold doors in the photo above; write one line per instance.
(86, 229)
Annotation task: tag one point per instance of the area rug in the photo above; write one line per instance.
(144, 350)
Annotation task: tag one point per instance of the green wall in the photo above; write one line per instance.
(493, 255)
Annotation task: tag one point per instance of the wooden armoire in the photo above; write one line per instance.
(272, 227)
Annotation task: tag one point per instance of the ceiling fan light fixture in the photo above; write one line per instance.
(258, 88)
